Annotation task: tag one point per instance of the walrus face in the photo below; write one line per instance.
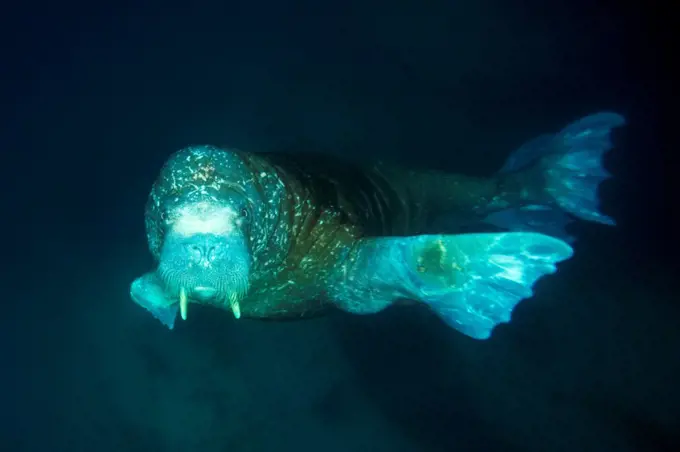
(199, 227)
(205, 254)
(211, 223)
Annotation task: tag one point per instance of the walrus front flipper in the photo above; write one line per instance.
(148, 293)
(472, 281)
(571, 166)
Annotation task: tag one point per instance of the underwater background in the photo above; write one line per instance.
(97, 95)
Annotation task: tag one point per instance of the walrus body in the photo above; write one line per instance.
(289, 236)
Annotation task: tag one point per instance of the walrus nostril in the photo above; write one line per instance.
(201, 252)
(211, 253)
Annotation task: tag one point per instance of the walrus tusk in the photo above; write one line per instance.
(235, 307)
(183, 303)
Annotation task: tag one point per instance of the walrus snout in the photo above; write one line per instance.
(206, 268)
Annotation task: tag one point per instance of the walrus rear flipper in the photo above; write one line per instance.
(571, 165)
(472, 281)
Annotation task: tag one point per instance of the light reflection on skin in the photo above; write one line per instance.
(203, 218)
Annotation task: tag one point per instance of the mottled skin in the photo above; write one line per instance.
(300, 218)
(275, 236)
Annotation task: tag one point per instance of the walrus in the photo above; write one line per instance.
(291, 236)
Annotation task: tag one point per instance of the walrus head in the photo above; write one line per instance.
(200, 226)
(205, 253)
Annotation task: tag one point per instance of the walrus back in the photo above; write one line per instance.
(378, 203)
(383, 199)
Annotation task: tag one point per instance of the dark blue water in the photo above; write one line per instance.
(98, 96)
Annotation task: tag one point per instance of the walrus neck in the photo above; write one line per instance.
(301, 230)
(276, 215)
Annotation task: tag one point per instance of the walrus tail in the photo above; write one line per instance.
(570, 169)
(543, 186)
(471, 281)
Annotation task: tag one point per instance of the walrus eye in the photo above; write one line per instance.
(244, 217)
(165, 217)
